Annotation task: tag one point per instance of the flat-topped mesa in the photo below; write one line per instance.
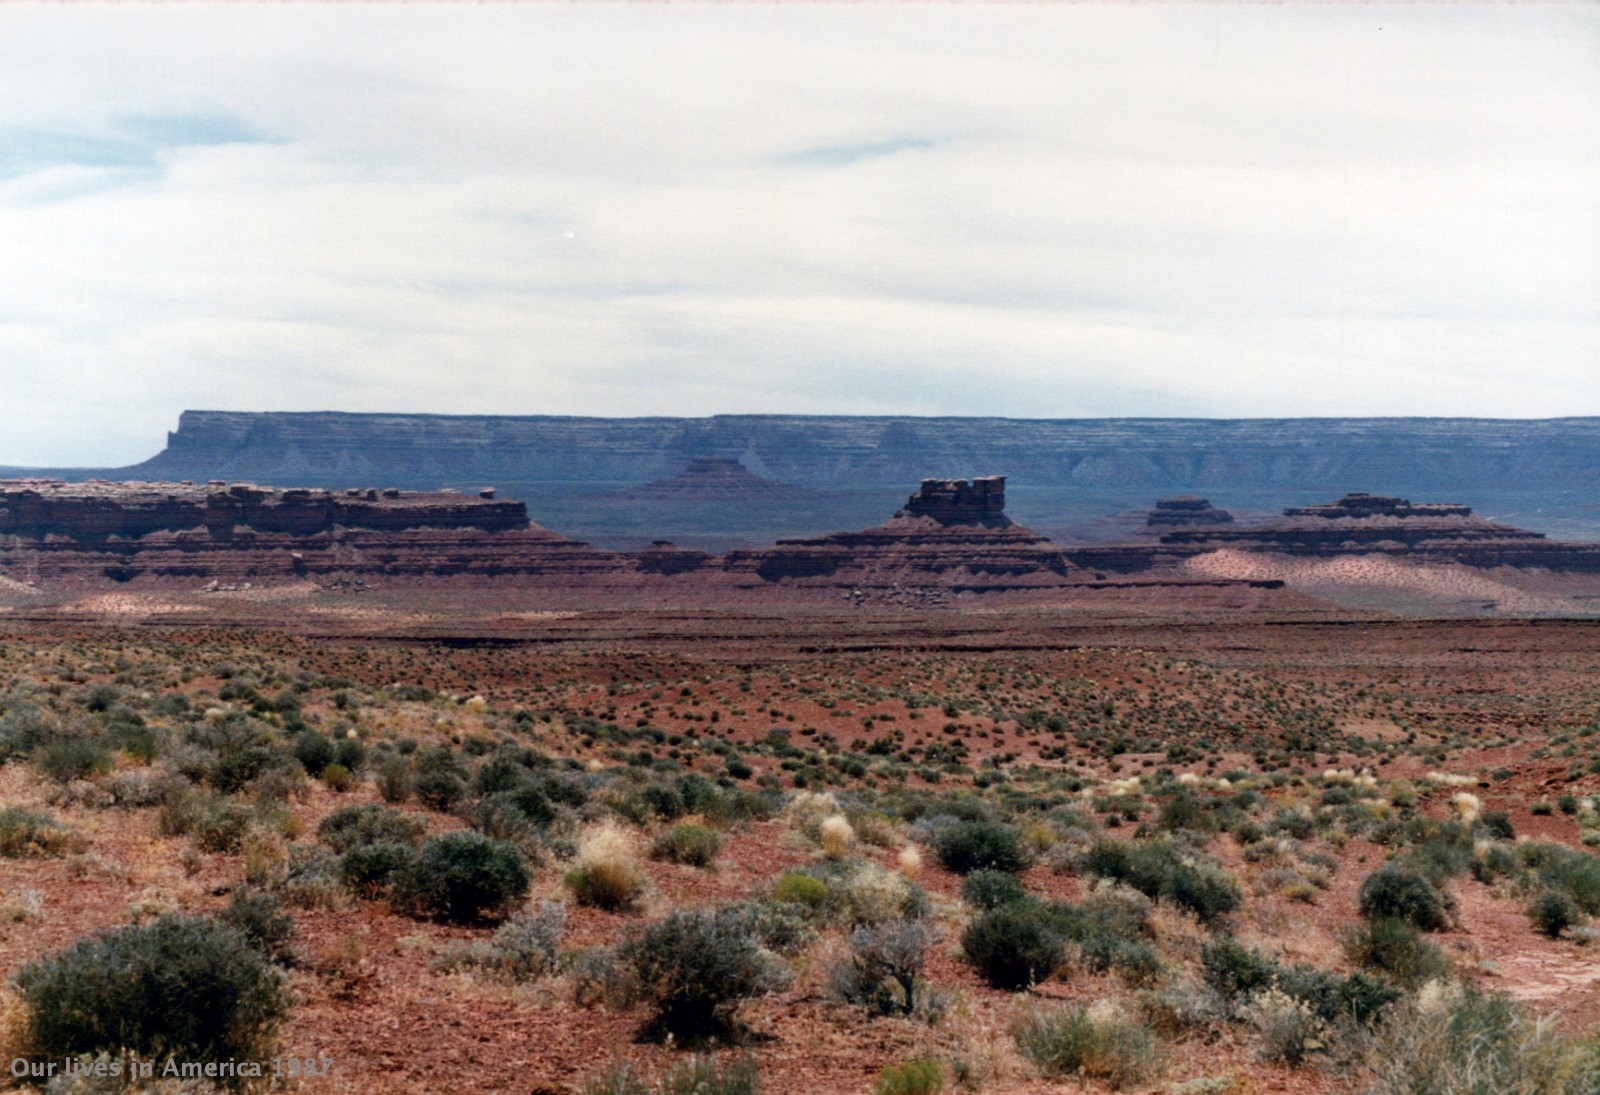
(98, 510)
(1185, 511)
(979, 501)
(1359, 505)
(713, 478)
(302, 512)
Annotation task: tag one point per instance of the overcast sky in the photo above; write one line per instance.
(1037, 211)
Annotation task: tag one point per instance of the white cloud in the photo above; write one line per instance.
(634, 209)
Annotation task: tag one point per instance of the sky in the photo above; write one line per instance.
(1072, 210)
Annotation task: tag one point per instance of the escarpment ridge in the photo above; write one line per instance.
(1154, 455)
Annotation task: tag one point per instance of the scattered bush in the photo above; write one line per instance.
(1013, 946)
(371, 870)
(463, 877)
(990, 889)
(219, 824)
(1093, 1041)
(695, 967)
(524, 948)
(360, 826)
(1399, 893)
(1398, 951)
(694, 845)
(884, 966)
(919, 1077)
(1238, 974)
(27, 835)
(260, 918)
(1455, 1039)
(185, 988)
(1553, 912)
(979, 844)
(439, 790)
(800, 889)
(1290, 1028)
(67, 759)
(694, 1076)
(1163, 872)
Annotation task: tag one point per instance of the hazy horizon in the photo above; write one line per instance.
(1067, 211)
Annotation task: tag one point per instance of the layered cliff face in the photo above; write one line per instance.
(1297, 456)
(99, 510)
(53, 532)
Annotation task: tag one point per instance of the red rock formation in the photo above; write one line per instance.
(1185, 511)
(97, 510)
(952, 536)
(1360, 524)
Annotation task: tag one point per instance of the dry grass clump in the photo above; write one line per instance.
(607, 874)
(1094, 1041)
(836, 836)
(910, 862)
(807, 810)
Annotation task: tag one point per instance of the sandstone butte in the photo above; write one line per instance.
(1362, 524)
(951, 538)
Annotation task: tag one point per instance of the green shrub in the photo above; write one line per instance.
(27, 835)
(314, 751)
(394, 779)
(1553, 912)
(184, 988)
(67, 759)
(979, 844)
(919, 1077)
(687, 843)
(1186, 810)
(1238, 974)
(463, 877)
(1013, 946)
(1397, 950)
(359, 826)
(1163, 872)
(1575, 874)
(1235, 971)
(1076, 1041)
(800, 889)
(695, 967)
(372, 870)
(439, 790)
(988, 889)
(1399, 893)
(219, 824)
(260, 918)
